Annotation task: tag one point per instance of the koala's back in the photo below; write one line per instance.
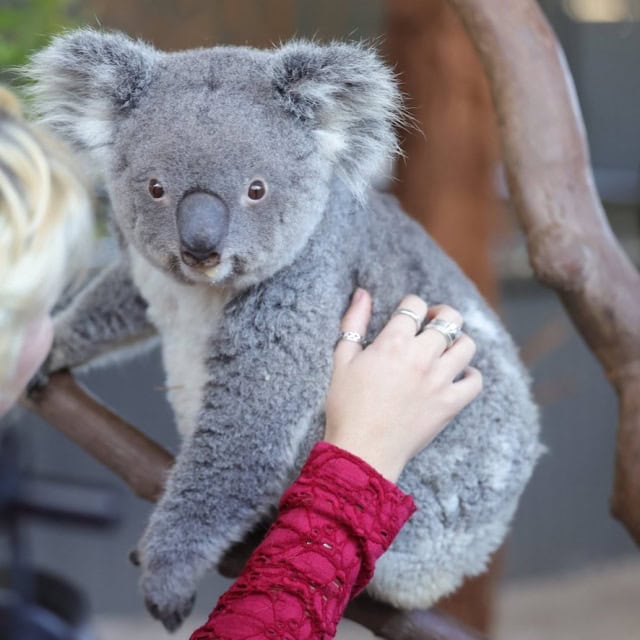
(468, 481)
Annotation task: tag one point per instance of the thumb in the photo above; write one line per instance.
(356, 319)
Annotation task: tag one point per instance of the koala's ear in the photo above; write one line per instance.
(349, 97)
(84, 80)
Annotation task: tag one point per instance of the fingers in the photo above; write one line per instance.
(404, 325)
(355, 319)
(457, 358)
(428, 346)
(458, 395)
(445, 312)
(468, 387)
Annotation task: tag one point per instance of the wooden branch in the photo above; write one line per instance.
(143, 465)
(386, 622)
(130, 454)
(571, 246)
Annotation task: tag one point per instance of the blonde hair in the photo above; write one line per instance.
(45, 226)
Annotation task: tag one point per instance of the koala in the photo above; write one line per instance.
(242, 190)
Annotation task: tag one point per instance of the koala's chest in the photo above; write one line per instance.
(187, 318)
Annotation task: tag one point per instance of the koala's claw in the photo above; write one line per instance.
(38, 382)
(134, 557)
(170, 618)
(40, 378)
(168, 587)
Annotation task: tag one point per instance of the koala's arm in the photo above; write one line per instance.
(267, 383)
(109, 314)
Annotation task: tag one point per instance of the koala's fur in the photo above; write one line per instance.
(248, 345)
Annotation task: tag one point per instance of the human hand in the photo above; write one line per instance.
(389, 401)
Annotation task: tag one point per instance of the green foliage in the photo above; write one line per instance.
(27, 25)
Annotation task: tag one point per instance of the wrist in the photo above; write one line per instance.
(375, 456)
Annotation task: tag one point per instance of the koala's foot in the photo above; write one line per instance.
(169, 593)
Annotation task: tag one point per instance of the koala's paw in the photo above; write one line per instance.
(168, 595)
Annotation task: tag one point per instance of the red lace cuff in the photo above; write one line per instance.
(345, 489)
(334, 522)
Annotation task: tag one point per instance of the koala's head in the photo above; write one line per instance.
(219, 162)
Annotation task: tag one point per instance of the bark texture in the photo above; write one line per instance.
(139, 461)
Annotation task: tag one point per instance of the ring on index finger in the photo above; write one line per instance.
(450, 330)
(403, 311)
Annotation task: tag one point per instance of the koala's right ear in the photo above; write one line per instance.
(84, 80)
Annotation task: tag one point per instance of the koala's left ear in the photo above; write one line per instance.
(350, 99)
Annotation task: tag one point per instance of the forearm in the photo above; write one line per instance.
(334, 522)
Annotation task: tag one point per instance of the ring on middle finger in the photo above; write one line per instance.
(403, 311)
(450, 330)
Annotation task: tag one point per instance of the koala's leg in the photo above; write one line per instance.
(107, 315)
(267, 385)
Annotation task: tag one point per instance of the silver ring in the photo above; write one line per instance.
(403, 311)
(449, 330)
(352, 336)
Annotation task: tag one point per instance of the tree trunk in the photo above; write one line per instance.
(448, 179)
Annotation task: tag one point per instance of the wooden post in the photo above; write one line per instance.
(448, 179)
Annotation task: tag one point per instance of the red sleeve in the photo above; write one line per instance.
(334, 522)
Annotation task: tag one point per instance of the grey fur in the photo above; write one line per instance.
(100, 320)
(316, 124)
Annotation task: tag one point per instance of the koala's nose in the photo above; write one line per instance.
(203, 221)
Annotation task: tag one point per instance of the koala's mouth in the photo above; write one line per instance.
(221, 271)
(211, 261)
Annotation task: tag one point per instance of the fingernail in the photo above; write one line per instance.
(358, 294)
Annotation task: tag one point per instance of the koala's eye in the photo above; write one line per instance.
(257, 190)
(155, 189)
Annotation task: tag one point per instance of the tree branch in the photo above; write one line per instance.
(130, 454)
(571, 246)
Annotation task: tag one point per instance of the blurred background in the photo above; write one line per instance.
(568, 570)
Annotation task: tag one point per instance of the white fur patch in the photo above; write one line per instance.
(187, 317)
(406, 581)
(482, 323)
(332, 142)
